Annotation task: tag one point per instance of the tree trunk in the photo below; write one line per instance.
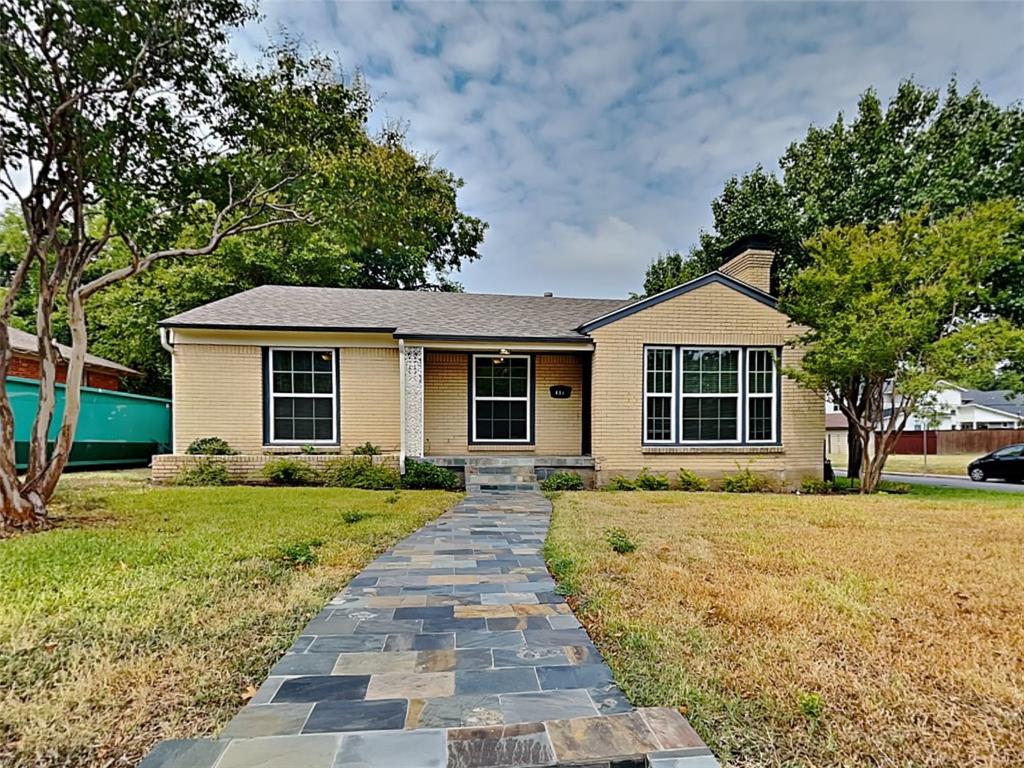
(871, 461)
(854, 455)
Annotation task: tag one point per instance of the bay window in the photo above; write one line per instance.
(501, 399)
(302, 397)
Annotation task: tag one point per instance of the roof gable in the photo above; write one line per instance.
(692, 285)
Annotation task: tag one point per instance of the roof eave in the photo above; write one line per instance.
(171, 323)
(575, 339)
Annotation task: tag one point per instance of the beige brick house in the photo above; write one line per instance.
(685, 378)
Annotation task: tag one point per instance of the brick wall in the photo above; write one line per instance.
(243, 468)
(711, 315)
(218, 390)
(370, 398)
(558, 423)
(28, 368)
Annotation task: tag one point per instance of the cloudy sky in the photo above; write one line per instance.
(592, 136)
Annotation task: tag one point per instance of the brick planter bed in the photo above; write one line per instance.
(246, 468)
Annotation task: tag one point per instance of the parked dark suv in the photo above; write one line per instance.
(1005, 464)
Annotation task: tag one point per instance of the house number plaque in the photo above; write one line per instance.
(561, 391)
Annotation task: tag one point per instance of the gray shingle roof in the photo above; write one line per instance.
(404, 313)
(1000, 399)
(22, 341)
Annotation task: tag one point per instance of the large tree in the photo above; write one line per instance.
(384, 218)
(921, 151)
(892, 309)
(130, 136)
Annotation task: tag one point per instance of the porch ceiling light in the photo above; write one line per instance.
(501, 358)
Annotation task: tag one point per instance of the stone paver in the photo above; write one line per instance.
(451, 650)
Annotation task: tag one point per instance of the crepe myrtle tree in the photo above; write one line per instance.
(134, 114)
(886, 309)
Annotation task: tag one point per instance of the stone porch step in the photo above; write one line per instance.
(501, 487)
(652, 737)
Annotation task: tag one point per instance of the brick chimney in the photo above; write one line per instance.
(749, 260)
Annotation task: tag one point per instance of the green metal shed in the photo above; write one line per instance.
(114, 428)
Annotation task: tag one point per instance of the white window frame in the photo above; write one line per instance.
(271, 395)
(492, 398)
(672, 395)
(740, 410)
(751, 395)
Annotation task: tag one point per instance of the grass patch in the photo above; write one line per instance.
(150, 613)
(807, 631)
(954, 464)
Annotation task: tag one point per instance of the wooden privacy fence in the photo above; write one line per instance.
(978, 440)
(946, 442)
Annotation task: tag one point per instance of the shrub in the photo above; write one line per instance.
(290, 472)
(360, 473)
(647, 481)
(300, 554)
(366, 449)
(619, 540)
(424, 475)
(688, 480)
(210, 446)
(562, 481)
(811, 705)
(746, 481)
(309, 450)
(813, 486)
(204, 472)
(620, 483)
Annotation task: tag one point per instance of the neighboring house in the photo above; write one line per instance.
(837, 429)
(949, 406)
(994, 409)
(99, 373)
(685, 378)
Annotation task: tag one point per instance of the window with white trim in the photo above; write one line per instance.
(760, 396)
(501, 399)
(710, 395)
(303, 399)
(659, 395)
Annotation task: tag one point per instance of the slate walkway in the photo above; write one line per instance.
(452, 650)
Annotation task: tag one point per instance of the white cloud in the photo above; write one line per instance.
(592, 137)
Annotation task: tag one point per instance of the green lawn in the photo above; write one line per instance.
(149, 613)
(811, 630)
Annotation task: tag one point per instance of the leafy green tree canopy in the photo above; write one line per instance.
(131, 137)
(919, 151)
(885, 308)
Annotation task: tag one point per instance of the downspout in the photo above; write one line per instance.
(167, 342)
(401, 405)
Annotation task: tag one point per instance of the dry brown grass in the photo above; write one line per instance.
(812, 631)
(953, 464)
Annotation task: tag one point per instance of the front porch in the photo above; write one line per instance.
(461, 407)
